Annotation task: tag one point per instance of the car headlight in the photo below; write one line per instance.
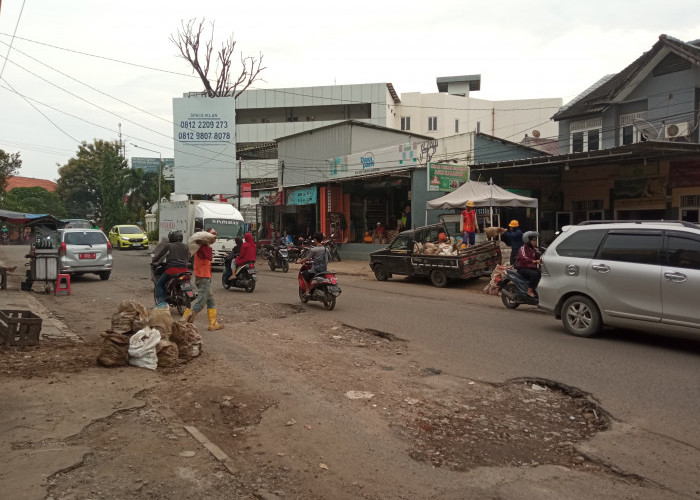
(125, 238)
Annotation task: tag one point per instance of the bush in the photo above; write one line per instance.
(153, 237)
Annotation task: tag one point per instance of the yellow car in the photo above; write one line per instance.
(127, 236)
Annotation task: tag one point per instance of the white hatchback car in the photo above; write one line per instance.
(643, 275)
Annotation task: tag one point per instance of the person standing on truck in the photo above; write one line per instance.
(202, 275)
(513, 237)
(469, 224)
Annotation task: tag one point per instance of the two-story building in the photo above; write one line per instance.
(628, 145)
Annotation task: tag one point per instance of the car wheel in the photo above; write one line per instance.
(509, 302)
(104, 275)
(581, 317)
(380, 273)
(438, 278)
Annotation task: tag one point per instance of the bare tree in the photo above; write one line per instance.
(188, 41)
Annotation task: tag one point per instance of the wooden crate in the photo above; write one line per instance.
(19, 328)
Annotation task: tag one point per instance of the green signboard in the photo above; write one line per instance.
(446, 176)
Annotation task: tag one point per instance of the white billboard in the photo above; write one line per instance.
(205, 145)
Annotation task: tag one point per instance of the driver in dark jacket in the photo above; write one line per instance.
(177, 256)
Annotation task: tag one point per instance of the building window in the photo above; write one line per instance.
(456, 126)
(586, 135)
(405, 123)
(628, 133)
(432, 123)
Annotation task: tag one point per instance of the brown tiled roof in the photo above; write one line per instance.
(24, 182)
(598, 99)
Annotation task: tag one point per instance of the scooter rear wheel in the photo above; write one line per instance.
(329, 302)
(225, 282)
(182, 302)
(507, 301)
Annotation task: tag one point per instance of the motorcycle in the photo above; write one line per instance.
(179, 291)
(513, 288)
(332, 248)
(245, 278)
(282, 259)
(324, 287)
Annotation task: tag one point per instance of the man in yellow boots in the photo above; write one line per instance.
(202, 275)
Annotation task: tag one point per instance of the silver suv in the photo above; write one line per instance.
(85, 251)
(643, 275)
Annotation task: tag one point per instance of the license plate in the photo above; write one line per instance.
(136, 245)
(186, 286)
(87, 256)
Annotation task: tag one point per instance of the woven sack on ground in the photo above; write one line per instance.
(168, 353)
(130, 317)
(115, 350)
(161, 320)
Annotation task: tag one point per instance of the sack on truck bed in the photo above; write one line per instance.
(115, 350)
(130, 317)
(142, 348)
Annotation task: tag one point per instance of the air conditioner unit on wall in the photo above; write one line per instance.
(681, 129)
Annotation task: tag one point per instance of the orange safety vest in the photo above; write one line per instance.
(469, 217)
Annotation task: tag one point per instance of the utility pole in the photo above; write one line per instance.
(281, 188)
(240, 161)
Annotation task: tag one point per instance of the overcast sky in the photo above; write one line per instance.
(54, 96)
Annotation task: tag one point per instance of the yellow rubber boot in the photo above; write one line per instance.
(189, 315)
(213, 324)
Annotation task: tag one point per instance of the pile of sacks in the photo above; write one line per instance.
(147, 339)
(497, 275)
(446, 248)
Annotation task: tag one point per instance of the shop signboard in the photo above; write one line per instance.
(446, 176)
(375, 161)
(302, 196)
(205, 145)
(644, 188)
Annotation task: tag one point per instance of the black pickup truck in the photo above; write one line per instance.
(400, 257)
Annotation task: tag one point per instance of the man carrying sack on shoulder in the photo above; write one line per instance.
(202, 274)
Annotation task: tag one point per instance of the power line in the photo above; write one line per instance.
(12, 40)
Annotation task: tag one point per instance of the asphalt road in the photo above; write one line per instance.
(650, 382)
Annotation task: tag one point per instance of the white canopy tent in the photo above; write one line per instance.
(483, 194)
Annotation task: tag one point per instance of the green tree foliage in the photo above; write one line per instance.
(9, 166)
(98, 184)
(34, 200)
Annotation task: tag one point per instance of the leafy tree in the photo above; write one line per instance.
(34, 200)
(91, 184)
(9, 166)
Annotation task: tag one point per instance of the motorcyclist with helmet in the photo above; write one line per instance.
(528, 260)
(318, 255)
(277, 242)
(177, 256)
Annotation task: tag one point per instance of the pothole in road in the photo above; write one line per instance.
(259, 310)
(350, 336)
(525, 422)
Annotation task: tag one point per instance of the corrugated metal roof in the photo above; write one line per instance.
(597, 98)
